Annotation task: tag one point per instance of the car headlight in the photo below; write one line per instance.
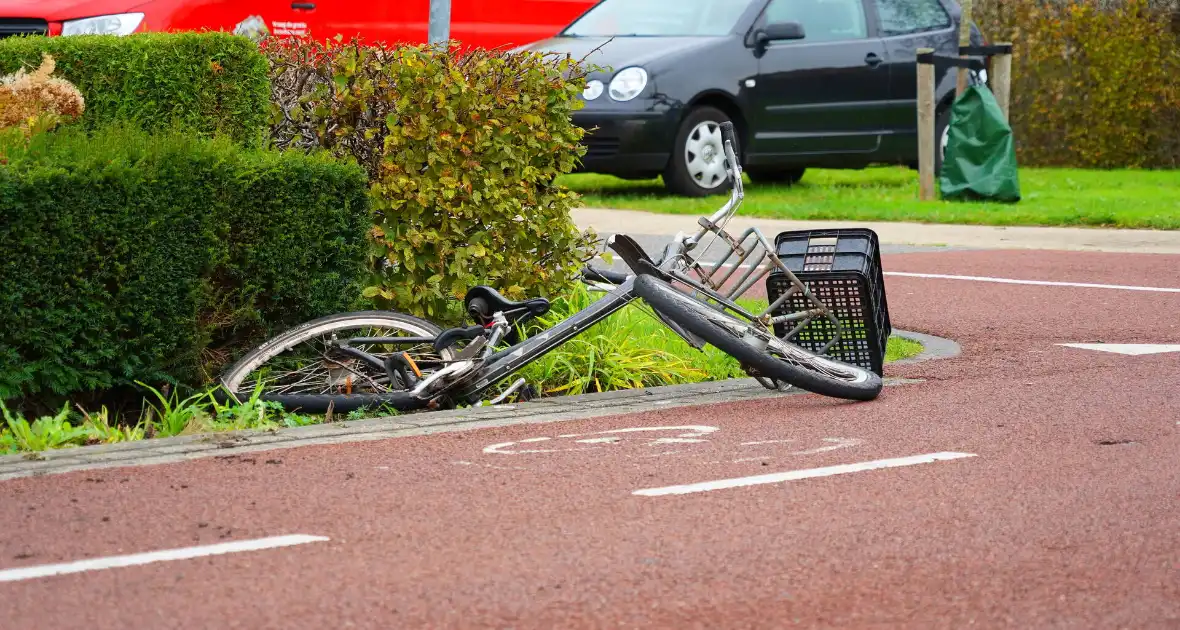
(121, 24)
(628, 83)
(593, 90)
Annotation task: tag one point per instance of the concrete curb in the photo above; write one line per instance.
(932, 347)
(586, 406)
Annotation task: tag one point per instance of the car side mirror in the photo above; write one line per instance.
(779, 31)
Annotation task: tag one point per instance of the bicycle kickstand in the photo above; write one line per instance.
(512, 389)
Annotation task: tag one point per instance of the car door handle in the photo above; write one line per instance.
(872, 59)
(303, 5)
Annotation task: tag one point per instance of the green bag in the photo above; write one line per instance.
(980, 159)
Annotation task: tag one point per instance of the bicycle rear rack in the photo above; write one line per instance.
(756, 259)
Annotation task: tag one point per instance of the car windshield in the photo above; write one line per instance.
(658, 18)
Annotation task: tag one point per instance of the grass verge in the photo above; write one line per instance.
(1050, 197)
(630, 350)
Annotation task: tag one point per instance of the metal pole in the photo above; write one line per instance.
(440, 21)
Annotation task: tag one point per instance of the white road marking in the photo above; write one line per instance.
(601, 440)
(1127, 348)
(466, 463)
(689, 434)
(836, 444)
(1046, 283)
(110, 562)
(799, 474)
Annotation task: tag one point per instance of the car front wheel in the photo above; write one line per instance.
(697, 167)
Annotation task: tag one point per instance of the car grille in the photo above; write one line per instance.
(23, 26)
(599, 145)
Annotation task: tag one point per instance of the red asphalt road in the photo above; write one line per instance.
(1066, 518)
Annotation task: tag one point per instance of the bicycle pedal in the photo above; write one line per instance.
(529, 392)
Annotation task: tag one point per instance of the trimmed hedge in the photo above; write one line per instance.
(1095, 84)
(133, 256)
(461, 149)
(210, 83)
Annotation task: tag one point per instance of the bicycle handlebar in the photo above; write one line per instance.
(737, 192)
(681, 244)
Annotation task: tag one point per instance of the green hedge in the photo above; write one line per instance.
(158, 257)
(212, 83)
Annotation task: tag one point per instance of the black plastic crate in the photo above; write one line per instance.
(843, 269)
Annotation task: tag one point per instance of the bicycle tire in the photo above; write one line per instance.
(721, 330)
(233, 376)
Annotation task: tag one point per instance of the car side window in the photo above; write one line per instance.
(899, 17)
(822, 20)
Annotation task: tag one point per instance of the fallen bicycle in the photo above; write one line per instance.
(407, 363)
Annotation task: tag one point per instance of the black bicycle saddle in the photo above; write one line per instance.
(483, 302)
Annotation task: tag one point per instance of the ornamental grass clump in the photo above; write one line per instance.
(37, 100)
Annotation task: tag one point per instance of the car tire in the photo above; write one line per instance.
(788, 176)
(697, 166)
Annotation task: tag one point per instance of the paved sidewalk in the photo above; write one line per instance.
(965, 236)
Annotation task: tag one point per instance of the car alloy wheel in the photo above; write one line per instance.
(696, 165)
(704, 155)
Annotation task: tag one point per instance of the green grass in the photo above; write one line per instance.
(1053, 197)
(898, 348)
(162, 416)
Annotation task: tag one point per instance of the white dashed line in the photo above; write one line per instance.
(110, 562)
(1045, 283)
(795, 475)
(1127, 348)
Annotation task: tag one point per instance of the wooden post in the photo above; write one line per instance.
(964, 40)
(1001, 79)
(926, 143)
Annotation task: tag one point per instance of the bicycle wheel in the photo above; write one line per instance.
(759, 349)
(309, 379)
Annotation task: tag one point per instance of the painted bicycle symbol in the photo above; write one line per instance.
(667, 441)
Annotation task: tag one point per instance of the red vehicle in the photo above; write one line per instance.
(482, 23)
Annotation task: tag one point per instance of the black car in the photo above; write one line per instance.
(807, 83)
